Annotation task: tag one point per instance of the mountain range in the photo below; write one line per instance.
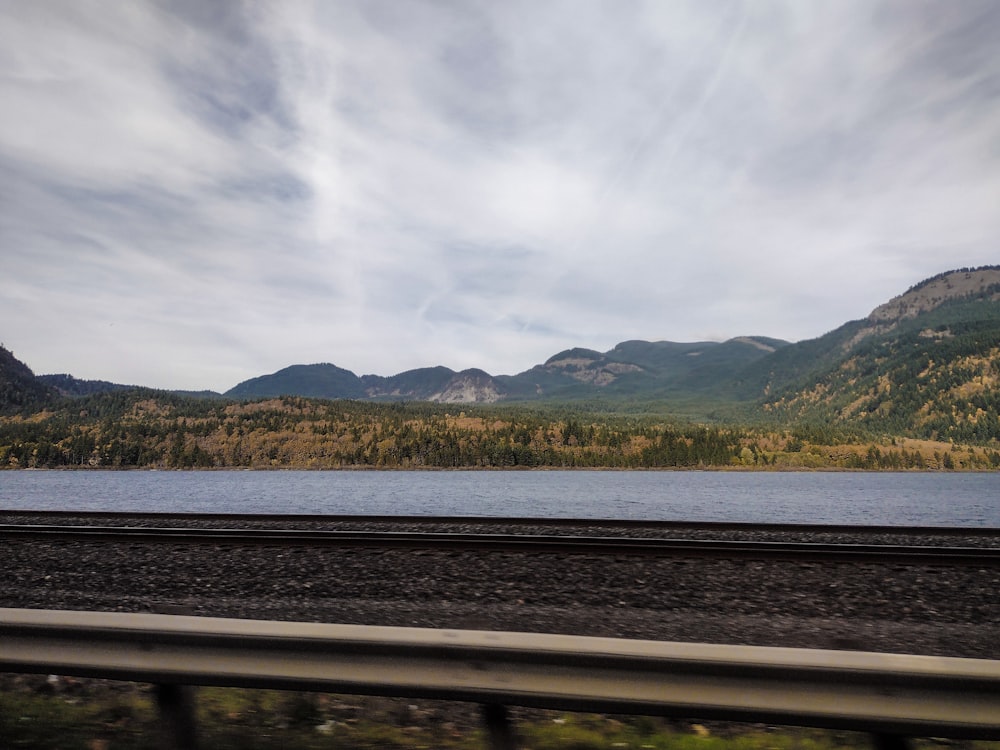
(932, 348)
(929, 355)
(650, 369)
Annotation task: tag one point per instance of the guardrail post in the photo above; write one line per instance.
(178, 729)
(892, 696)
(498, 729)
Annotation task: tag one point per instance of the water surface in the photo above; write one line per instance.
(913, 498)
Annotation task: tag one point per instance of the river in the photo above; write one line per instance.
(863, 498)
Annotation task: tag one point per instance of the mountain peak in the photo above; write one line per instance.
(469, 387)
(570, 357)
(933, 292)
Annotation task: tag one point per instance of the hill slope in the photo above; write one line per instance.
(633, 368)
(313, 381)
(19, 388)
(67, 385)
(642, 371)
(926, 363)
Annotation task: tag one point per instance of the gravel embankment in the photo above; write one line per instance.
(879, 607)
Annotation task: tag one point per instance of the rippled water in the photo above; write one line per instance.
(945, 499)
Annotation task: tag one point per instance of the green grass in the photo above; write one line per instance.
(100, 715)
(580, 732)
(56, 722)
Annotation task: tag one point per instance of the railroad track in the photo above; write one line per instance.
(117, 518)
(533, 543)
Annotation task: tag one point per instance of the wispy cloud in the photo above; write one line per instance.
(196, 193)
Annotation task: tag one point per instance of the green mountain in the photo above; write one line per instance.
(926, 363)
(67, 385)
(439, 384)
(313, 381)
(641, 370)
(19, 387)
(633, 369)
(72, 387)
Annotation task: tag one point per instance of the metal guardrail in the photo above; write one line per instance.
(891, 695)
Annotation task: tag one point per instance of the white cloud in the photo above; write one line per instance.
(194, 193)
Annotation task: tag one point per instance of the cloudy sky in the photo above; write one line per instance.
(194, 193)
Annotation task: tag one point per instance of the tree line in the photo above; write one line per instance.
(151, 429)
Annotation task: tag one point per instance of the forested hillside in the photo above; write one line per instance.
(19, 388)
(151, 429)
(932, 371)
(916, 384)
(632, 369)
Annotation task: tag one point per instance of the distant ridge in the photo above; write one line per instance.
(312, 381)
(926, 362)
(67, 385)
(631, 367)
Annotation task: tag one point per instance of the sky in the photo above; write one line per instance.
(194, 193)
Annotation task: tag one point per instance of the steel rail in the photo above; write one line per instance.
(624, 523)
(891, 694)
(794, 551)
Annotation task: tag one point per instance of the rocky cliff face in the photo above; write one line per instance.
(932, 293)
(926, 296)
(588, 367)
(467, 387)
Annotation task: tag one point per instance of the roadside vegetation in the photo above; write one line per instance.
(63, 714)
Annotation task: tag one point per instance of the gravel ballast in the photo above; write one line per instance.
(947, 611)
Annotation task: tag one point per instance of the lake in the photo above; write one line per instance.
(915, 498)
